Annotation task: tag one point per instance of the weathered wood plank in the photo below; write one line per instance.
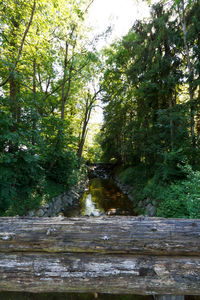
(107, 255)
(149, 236)
(67, 272)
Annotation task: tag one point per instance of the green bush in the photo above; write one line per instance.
(192, 192)
(36, 162)
(137, 178)
(60, 167)
(21, 177)
(175, 198)
(172, 202)
(21, 174)
(179, 199)
(134, 176)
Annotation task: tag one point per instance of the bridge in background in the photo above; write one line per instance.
(130, 255)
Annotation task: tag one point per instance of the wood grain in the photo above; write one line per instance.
(107, 255)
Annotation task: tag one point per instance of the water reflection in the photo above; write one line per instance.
(104, 197)
(89, 207)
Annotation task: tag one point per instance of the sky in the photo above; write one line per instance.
(121, 15)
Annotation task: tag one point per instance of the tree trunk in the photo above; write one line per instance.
(66, 88)
(171, 125)
(34, 99)
(84, 131)
(90, 103)
(190, 74)
(16, 24)
(15, 110)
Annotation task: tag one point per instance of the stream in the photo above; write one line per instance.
(102, 197)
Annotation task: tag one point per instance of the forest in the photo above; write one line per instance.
(51, 79)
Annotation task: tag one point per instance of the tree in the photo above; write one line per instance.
(11, 34)
(42, 72)
(90, 102)
(151, 97)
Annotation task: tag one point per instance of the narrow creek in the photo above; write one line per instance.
(102, 197)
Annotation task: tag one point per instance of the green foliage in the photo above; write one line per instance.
(179, 198)
(137, 178)
(93, 151)
(175, 198)
(20, 182)
(58, 160)
(171, 200)
(151, 125)
(21, 173)
(192, 191)
(133, 175)
(34, 164)
(168, 169)
(45, 69)
(94, 154)
(60, 167)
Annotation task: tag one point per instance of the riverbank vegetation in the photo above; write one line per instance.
(46, 98)
(51, 77)
(151, 93)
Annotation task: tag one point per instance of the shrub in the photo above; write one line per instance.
(21, 177)
(179, 199)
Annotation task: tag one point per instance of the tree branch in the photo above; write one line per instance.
(22, 44)
(86, 10)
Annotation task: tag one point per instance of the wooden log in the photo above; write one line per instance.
(136, 235)
(82, 272)
(130, 255)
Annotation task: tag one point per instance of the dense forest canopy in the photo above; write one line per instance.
(51, 78)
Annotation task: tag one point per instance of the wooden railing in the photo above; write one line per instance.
(106, 254)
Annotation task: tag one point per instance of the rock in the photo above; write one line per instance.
(145, 202)
(140, 204)
(45, 206)
(102, 214)
(40, 213)
(67, 200)
(50, 205)
(60, 216)
(58, 204)
(75, 194)
(150, 210)
(46, 214)
(31, 213)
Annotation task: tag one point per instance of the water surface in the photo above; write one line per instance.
(103, 197)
